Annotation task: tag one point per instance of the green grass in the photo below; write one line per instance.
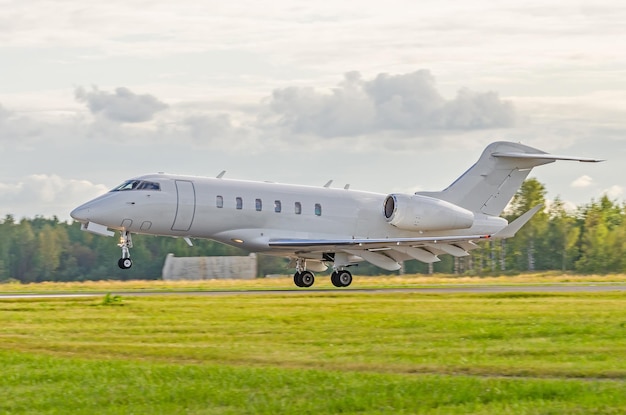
(44, 384)
(318, 353)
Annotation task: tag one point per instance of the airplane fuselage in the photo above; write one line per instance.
(249, 214)
(321, 226)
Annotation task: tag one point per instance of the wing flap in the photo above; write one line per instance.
(417, 253)
(376, 258)
(449, 249)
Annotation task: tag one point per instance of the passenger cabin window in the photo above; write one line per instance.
(219, 202)
(137, 185)
(259, 205)
(277, 206)
(318, 209)
(239, 203)
(298, 208)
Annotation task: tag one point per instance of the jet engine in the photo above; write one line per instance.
(424, 213)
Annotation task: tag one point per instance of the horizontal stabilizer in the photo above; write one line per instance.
(544, 156)
(490, 184)
(517, 224)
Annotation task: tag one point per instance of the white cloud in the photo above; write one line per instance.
(122, 106)
(206, 129)
(614, 192)
(15, 128)
(582, 182)
(45, 195)
(210, 64)
(407, 103)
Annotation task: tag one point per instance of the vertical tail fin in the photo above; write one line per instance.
(490, 184)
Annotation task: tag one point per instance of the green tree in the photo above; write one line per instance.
(601, 247)
(22, 250)
(561, 238)
(51, 244)
(524, 250)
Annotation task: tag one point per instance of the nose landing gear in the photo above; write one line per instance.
(126, 242)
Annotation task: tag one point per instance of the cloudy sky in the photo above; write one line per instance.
(389, 97)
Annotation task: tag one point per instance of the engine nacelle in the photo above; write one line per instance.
(424, 213)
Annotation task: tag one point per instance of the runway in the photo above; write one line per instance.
(435, 289)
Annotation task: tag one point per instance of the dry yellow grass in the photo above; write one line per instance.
(322, 281)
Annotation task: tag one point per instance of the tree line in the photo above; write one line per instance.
(592, 239)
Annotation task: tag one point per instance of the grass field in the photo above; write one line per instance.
(322, 281)
(314, 353)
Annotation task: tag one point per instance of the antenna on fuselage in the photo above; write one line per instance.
(222, 173)
(328, 183)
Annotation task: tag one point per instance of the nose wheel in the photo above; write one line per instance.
(126, 242)
(125, 263)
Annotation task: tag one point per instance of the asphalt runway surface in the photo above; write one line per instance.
(435, 289)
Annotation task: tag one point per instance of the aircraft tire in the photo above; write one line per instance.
(297, 279)
(344, 278)
(306, 279)
(335, 280)
(125, 263)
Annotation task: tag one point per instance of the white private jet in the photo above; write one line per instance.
(321, 226)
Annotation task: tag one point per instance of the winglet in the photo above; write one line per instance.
(517, 224)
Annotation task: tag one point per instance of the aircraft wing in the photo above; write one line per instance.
(386, 253)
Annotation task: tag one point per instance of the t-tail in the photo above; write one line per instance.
(490, 184)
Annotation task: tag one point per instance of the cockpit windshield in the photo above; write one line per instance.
(137, 185)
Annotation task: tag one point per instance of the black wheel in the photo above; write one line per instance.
(344, 278)
(334, 278)
(125, 263)
(306, 279)
(297, 279)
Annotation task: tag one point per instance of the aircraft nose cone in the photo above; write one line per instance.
(80, 214)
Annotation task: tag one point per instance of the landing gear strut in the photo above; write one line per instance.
(126, 242)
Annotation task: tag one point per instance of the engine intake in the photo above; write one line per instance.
(424, 213)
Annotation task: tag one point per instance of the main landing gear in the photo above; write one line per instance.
(126, 242)
(305, 279)
(341, 278)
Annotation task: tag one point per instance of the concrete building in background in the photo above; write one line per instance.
(210, 267)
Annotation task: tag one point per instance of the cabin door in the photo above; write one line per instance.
(186, 205)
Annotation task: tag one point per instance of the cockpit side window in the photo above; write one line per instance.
(137, 185)
(148, 186)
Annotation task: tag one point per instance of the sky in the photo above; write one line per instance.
(397, 96)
